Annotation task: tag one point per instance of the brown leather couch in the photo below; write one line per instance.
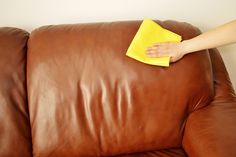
(70, 91)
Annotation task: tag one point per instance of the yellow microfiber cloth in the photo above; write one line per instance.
(150, 33)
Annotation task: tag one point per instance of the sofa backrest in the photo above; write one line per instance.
(86, 98)
(15, 136)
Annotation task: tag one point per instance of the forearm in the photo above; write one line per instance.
(222, 35)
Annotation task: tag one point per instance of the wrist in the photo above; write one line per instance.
(184, 47)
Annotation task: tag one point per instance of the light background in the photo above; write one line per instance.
(205, 14)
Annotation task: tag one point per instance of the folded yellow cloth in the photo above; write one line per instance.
(150, 33)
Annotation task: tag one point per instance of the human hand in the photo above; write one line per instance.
(172, 49)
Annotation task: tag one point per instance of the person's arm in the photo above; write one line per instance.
(222, 35)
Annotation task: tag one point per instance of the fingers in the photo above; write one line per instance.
(156, 51)
(171, 49)
(152, 52)
(162, 44)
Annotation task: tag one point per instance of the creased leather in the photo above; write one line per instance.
(86, 98)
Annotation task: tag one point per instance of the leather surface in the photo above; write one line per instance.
(15, 136)
(211, 131)
(86, 98)
(172, 152)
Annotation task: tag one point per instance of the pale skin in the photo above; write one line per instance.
(219, 36)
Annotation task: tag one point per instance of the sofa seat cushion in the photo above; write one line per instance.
(172, 152)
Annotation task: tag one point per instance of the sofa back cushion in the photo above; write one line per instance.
(87, 98)
(15, 136)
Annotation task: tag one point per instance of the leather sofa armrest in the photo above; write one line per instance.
(211, 131)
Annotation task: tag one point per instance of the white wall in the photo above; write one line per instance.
(206, 14)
